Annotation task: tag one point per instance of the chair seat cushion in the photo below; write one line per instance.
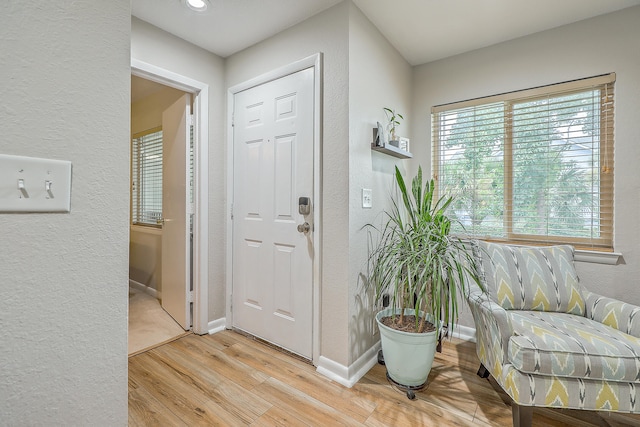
(566, 345)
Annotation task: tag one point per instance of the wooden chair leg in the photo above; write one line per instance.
(522, 415)
(483, 372)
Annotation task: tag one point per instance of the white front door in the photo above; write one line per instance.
(273, 255)
(175, 202)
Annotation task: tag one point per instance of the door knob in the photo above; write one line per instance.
(304, 228)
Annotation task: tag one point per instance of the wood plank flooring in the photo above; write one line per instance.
(228, 379)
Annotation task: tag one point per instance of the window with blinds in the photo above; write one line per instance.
(146, 178)
(533, 166)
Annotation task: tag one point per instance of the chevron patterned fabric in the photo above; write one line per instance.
(565, 345)
(547, 340)
(556, 392)
(617, 314)
(526, 278)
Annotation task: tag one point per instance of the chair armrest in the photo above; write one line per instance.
(493, 328)
(612, 312)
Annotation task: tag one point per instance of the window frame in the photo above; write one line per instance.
(604, 242)
(136, 192)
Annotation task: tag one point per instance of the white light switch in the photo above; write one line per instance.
(366, 198)
(29, 184)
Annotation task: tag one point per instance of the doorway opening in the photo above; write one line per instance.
(157, 313)
(157, 96)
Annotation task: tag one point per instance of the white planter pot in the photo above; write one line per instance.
(407, 356)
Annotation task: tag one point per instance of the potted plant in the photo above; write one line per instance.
(421, 269)
(393, 121)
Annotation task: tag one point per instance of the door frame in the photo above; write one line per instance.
(200, 93)
(315, 62)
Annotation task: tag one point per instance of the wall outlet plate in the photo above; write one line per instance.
(367, 198)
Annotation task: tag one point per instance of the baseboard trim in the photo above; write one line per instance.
(349, 375)
(144, 288)
(216, 326)
(465, 333)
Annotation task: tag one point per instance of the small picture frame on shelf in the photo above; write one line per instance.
(403, 144)
(379, 136)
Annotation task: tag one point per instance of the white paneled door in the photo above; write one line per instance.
(175, 202)
(273, 244)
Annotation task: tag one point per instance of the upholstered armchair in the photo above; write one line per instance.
(546, 340)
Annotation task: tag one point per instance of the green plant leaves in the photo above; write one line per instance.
(416, 261)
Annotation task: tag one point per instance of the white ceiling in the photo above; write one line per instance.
(228, 26)
(421, 30)
(426, 30)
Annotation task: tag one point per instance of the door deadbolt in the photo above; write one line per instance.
(304, 205)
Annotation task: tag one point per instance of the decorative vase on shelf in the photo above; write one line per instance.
(393, 138)
(393, 121)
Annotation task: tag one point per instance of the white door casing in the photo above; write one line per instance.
(273, 150)
(200, 258)
(175, 202)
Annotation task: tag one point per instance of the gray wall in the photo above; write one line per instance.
(609, 43)
(63, 277)
(378, 77)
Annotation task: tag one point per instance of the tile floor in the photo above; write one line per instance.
(149, 324)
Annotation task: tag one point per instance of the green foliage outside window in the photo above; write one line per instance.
(525, 169)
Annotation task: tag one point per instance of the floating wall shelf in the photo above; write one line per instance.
(391, 150)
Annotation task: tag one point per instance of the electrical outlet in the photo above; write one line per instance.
(367, 195)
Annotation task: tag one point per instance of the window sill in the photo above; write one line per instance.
(147, 230)
(597, 257)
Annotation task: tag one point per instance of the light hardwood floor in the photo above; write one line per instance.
(228, 379)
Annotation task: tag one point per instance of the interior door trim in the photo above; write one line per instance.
(200, 92)
(315, 62)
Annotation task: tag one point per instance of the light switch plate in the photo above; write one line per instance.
(367, 195)
(29, 184)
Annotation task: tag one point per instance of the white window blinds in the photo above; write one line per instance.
(146, 178)
(533, 166)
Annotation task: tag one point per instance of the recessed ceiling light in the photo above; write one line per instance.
(197, 5)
